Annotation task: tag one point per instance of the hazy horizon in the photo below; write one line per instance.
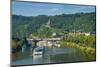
(50, 9)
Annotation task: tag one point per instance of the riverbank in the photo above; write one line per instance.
(88, 52)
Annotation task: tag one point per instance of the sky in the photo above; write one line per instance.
(34, 9)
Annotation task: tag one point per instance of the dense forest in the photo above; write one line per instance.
(23, 26)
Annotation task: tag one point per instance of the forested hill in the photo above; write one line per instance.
(22, 25)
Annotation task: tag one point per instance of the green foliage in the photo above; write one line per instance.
(85, 44)
(25, 26)
(16, 44)
(89, 53)
(89, 41)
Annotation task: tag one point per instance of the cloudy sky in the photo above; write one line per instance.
(34, 9)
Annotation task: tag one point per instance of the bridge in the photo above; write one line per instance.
(36, 40)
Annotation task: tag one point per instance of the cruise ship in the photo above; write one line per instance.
(38, 51)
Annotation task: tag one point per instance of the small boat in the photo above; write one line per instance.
(38, 51)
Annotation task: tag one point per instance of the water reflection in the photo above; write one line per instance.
(51, 55)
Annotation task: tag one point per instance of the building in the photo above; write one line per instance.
(79, 33)
(48, 24)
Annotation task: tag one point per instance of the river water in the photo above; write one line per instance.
(51, 55)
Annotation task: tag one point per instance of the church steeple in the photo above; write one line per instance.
(48, 23)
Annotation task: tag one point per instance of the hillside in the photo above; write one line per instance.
(38, 25)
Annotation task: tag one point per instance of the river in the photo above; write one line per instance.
(51, 55)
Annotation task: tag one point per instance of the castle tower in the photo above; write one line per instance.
(48, 23)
